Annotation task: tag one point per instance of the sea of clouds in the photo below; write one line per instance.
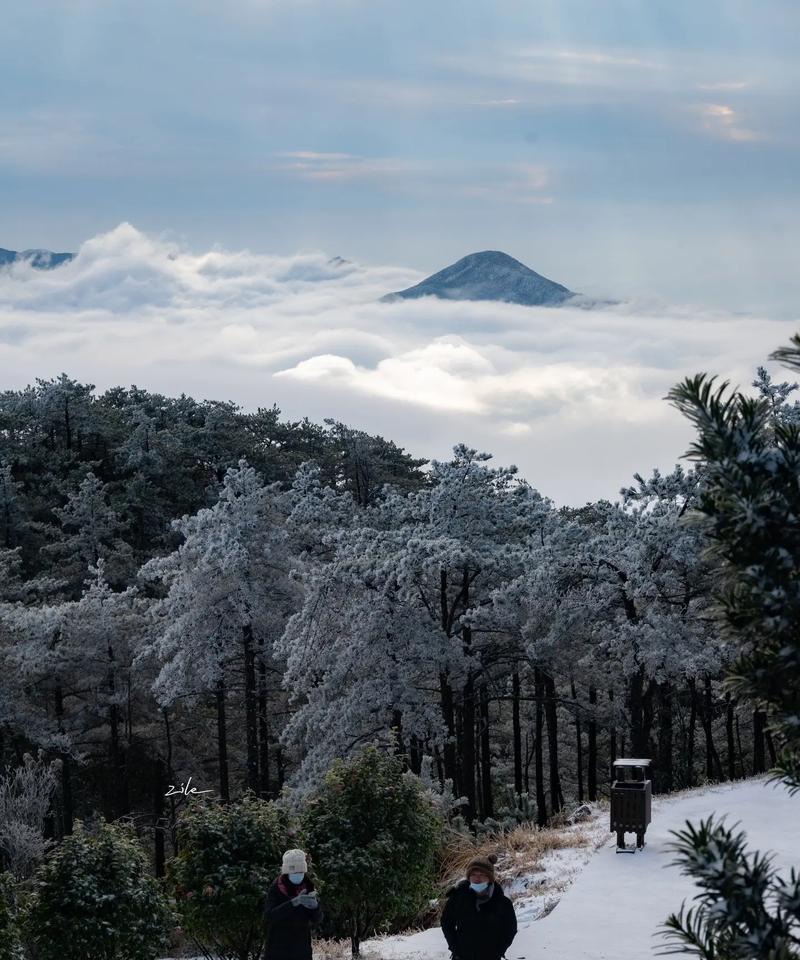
(573, 396)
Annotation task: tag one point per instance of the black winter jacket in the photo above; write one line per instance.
(478, 934)
(288, 927)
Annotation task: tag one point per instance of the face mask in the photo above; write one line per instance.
(296, 878)
(479, 887)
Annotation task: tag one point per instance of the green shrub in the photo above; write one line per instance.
(94, 898)
(10, 948)
(228, 856)
(374, 835)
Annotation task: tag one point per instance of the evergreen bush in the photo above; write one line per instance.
(374, 834)
(94, 898)
(228, 856)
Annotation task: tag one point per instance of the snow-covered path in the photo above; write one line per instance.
(615, 906)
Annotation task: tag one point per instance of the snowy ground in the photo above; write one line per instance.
(617, 901)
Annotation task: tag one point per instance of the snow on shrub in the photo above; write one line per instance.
(374, 835)
(94, 898)
(228, 856)
(25, 794)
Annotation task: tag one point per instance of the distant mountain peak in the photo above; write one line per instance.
(488, 275)
(40, 259)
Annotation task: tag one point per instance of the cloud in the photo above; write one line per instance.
(583, 73)
(723, 121)
(727, 86)
(337, 167)
(573, 396)
(515, 183)
(602, 58)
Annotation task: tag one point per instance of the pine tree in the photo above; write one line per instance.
(749, 508)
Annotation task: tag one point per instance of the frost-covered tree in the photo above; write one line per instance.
(74, 661)
(227, 594)
(385, 617)
(611, 615)
(91, 532)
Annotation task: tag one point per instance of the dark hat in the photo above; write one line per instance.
(484, 864)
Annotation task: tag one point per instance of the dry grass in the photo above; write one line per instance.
(331, 950)
(340, 950)
(518, 851)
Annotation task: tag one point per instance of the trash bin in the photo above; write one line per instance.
(631, 799)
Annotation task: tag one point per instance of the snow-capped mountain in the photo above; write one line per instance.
(41, 259)
(489, 275)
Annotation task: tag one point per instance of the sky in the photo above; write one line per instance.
(638, 150)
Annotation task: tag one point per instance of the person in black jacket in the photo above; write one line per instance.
(291, 909)
(478, 921)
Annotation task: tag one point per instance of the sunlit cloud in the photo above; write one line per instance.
(723, 121)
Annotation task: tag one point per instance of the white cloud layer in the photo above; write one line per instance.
(573, 396)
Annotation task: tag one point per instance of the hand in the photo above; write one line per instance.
(298, 900)
(309, 900)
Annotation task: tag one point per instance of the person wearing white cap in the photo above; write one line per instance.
(291, 909)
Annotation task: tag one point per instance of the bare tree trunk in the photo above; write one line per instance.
(397, 730)
(263, 727)
(119, 776)
(637, 708)
(448, 715)
(712, 757)
(691, 732)
(541, 805)
(592, 759)
(171, 774)
(664, 771)
(773, 758)
(759, 757)
(739, 744)
(551, 715)
(222, 743)
(478, 770)
(486, 753)
(529, 751)
(468, 709)
(468, 760)
(731, 746)
(612, 744)
(158, 816)
(250, 707)
(67, 812)
(446, 693)
(415, 755)
(280, 766)
(516, 732)
(578, 742)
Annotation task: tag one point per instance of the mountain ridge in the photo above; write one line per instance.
(488, 275)
(37, 258)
